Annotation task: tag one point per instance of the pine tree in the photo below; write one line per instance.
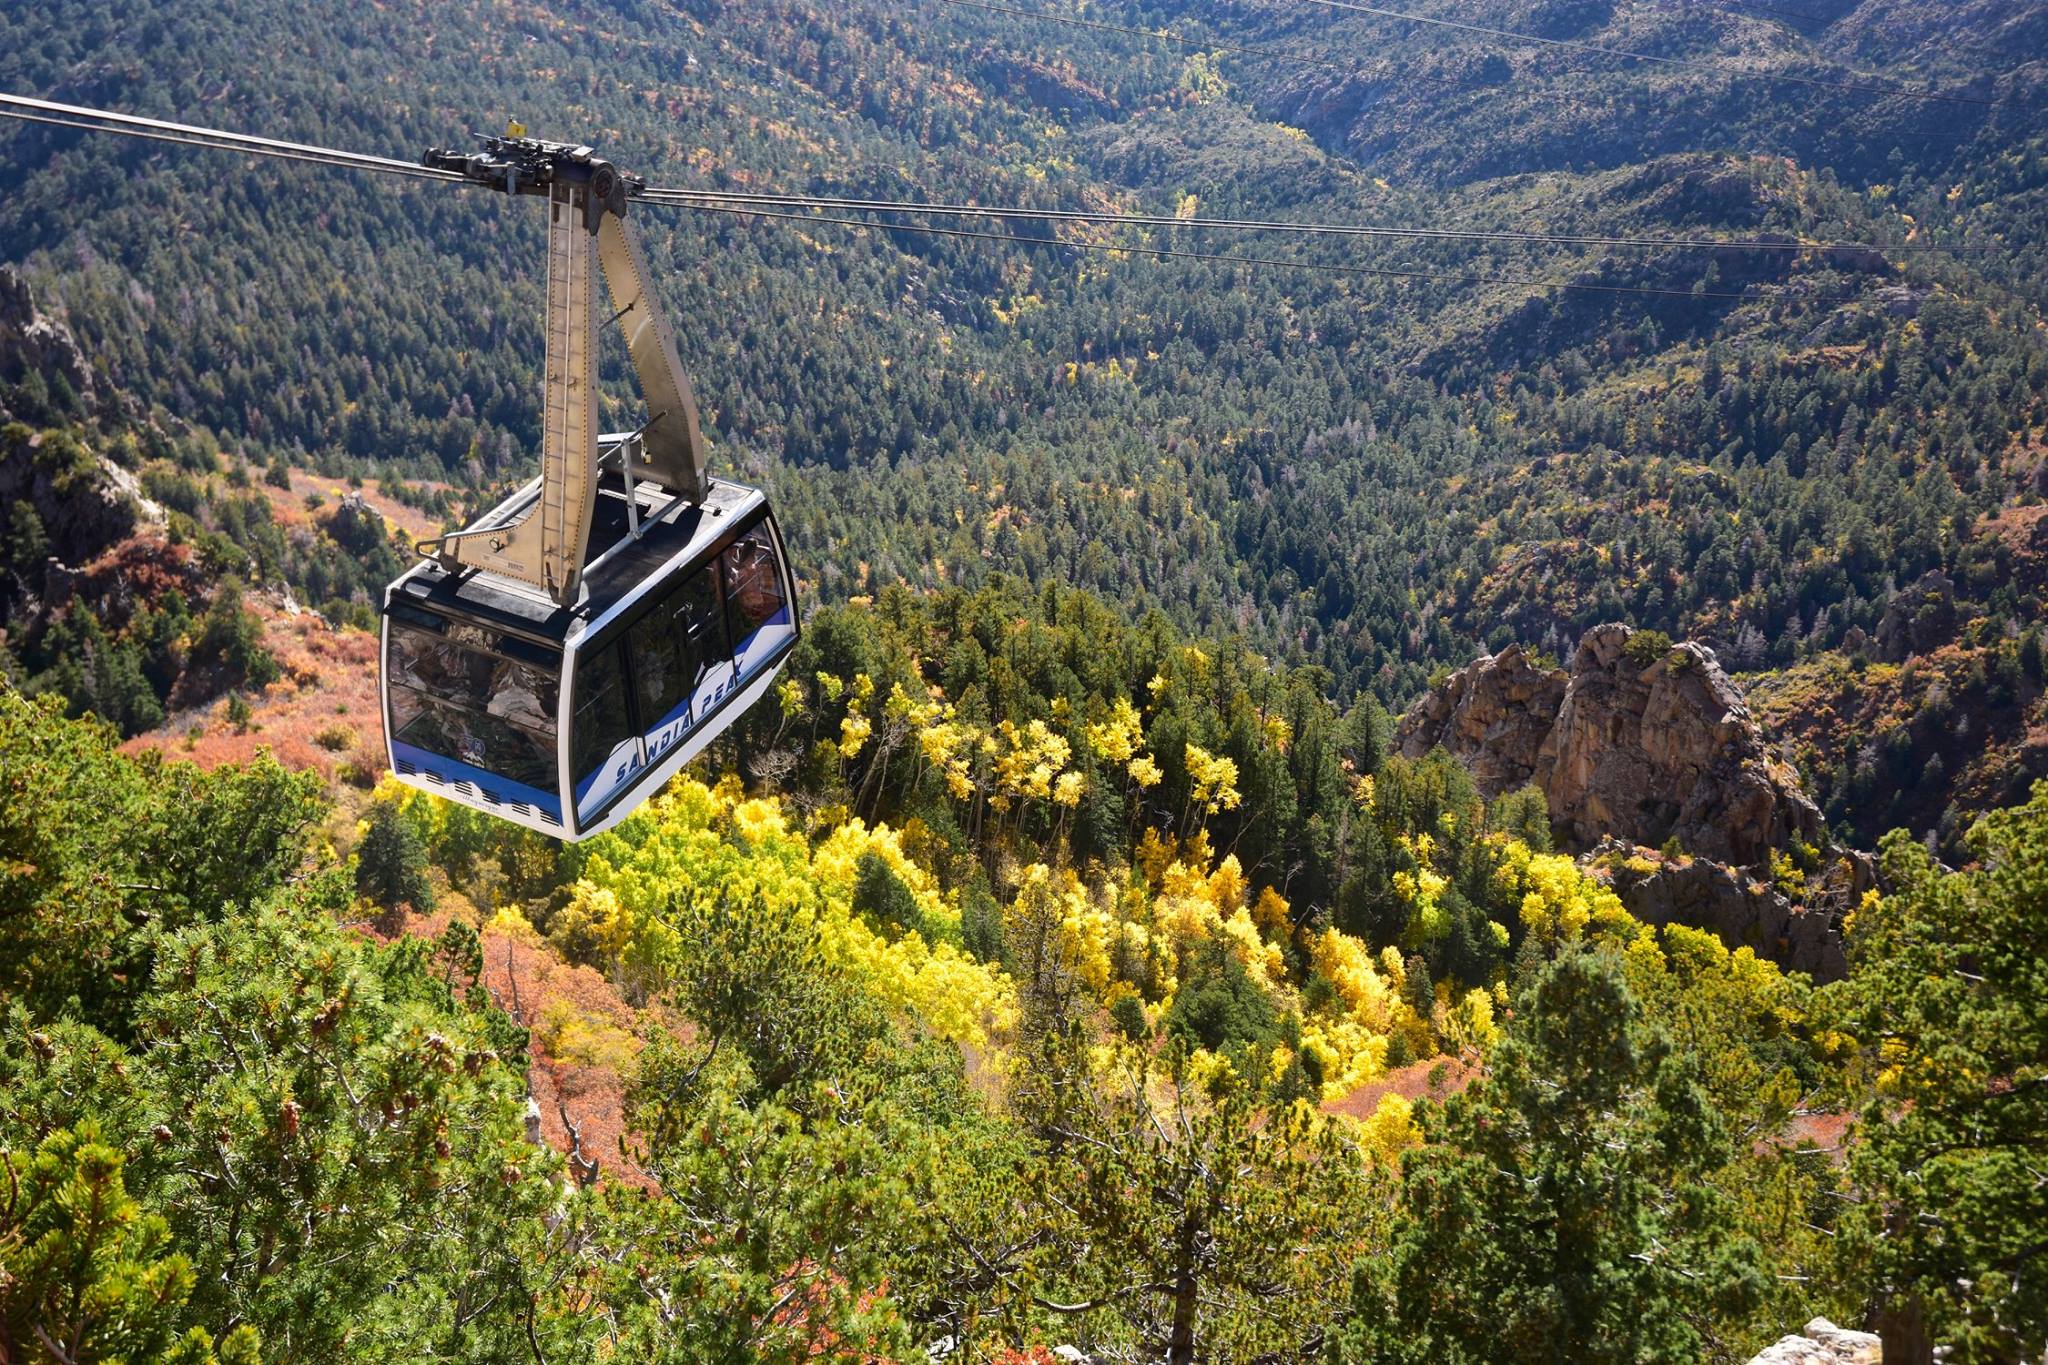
(391, 865)
(2031, 658)
(1945, 996)
(1565, 1207)
(124, 694)
(99, 855)
(230, 637)
(91, 1275)
(880, 896)
(28, 544)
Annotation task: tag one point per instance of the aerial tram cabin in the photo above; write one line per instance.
(565, 718)
(559, 660)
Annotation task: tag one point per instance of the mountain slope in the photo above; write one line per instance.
(1371, 472)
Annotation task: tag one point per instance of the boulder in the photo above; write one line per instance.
(1823, 1343)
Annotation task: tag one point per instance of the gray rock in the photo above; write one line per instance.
(1742, 910)
(83, 508)
(1494, 715)
(30, 340)
(1823, 1344)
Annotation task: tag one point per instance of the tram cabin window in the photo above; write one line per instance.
(486, 700)
(606, 747)
(677, 648)
(753, 585)
(682, 655)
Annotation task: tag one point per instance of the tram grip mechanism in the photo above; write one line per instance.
(587, 198)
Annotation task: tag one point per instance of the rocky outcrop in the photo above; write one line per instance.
(1494, 715)
(1643, 750)
(1738, 907)
(79, 503)
(1823, 1343)
(31, 341)
(1635, 746)
(1919, 619)
(62, 504)
(1664, 751)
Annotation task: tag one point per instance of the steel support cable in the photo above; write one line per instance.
(693, 198)
(95, 120)
(1683, 63)
(336, 163)
(198, 137)
(1389, 272)
(106, 121)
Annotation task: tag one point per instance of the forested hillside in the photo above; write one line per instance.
(1066, 954)
(1075, 995)
(1372, 473)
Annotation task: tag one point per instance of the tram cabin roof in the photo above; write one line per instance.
(610, 586)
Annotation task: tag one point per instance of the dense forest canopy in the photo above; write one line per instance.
(997, 1025)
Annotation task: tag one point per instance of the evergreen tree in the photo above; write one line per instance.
(350, 1177)
(28, 544)
(1565, 1206)
(98, 855)
(1945, 996)
(880, 895)
(391, 863)
(90, 1273)
(230, 637)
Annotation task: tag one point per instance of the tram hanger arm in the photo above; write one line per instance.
(672, 444)
(587, 198)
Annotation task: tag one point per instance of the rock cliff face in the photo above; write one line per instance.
(83, 503)
(1642, 752)
(31, 341)
(1494, 715)
(1632, 749)
(1668, 750)
(1740, 907)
